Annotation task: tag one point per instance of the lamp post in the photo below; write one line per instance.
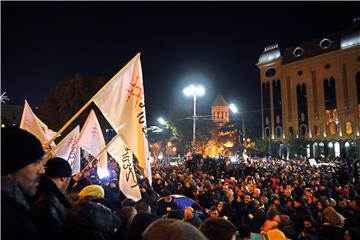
(194, 91)
(234, 110)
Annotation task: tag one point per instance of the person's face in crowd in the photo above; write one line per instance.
(290, 203)
(277, 218)
(297, 204)
(214, 214)
(347, 235)
(168, 198)
(307, 224)
(342, 204)
(277, 202)
(338, 188)
(247, 199)
(220, 206)
(64, 184)
(353, 204)
(308, 194)
(28, 177)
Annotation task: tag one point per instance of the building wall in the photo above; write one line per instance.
(220, 114)
(340, 64)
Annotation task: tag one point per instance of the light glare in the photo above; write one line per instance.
(233, 108)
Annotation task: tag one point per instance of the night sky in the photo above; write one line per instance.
(213, 43)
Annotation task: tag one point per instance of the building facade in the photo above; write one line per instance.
(220, 111)
(312, 90)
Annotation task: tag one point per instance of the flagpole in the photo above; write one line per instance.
(89, 102)
(107, 145)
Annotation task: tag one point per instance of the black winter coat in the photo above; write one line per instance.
(90, 221)
(15, 215)
(49, 209)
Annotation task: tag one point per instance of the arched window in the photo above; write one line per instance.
(267, 132)
(278, 131)
(303, 130)
(291, 131)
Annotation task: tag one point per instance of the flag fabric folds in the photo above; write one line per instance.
(123, 105)
(69, 150)
(124, 157)
(31, 123)
(91, 139)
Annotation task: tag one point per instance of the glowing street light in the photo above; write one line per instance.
(233, 108)
(161, 121)
(194, 91)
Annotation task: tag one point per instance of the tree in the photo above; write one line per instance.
(297, 146)
(67, 98)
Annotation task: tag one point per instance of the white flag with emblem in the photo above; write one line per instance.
(31, 123)
(69, 150)
(123, 105)
(124, 157)
(91, 139)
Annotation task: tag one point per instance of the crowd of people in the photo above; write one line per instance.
(251, 198)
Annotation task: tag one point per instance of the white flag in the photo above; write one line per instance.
(123, 105)
(124, 157)
(31, 123)
(69, 150)
(91, 139)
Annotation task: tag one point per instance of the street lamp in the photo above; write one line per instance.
(194, 91)
(234, 109)
(161, 121)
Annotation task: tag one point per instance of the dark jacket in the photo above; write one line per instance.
(329, 232)
(165, 207)
(49, 209)
(90, 221)
(15, 215)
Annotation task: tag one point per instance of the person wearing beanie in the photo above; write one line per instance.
(166, 204)
(91, 218)
(91, 192)
(50, 206)
(301, 210)
(21, 168)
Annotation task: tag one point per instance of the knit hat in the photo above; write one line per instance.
(19, 149)
(276, 234)
(94, 191)
(58, 167)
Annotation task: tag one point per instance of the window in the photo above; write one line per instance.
(278, 131)
(327, 66)
(348, 128)
(300, 73)
(267, 132)
(270, 72)
(298, 52)
(325, 43)
(291, 131)
(303, 130)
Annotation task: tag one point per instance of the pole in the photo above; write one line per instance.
(89, 102)
(194, 126)
(243, 126)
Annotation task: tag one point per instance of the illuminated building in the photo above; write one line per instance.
(312, 90)
(220, 111)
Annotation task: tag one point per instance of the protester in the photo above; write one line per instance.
(49, 206)
(21, 168)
